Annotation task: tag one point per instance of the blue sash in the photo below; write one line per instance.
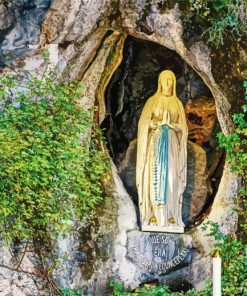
(161, 166)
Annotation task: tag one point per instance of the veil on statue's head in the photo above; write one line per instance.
(166, 74)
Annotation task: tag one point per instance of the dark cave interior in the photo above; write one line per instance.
(134, 81)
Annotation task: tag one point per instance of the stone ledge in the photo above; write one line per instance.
(171, 229)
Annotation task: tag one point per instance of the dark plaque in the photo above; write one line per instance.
(158, 253)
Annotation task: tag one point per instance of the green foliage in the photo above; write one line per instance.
(69, 292)
(234, 261)
(199, 7)
(162, 290)
(242, 210)
(45, 54)
(233, 250)
(235, 143)
(234, 270)
(230, 21)
(216, 19)
(118, 288)
(49, 170)
(210, 8)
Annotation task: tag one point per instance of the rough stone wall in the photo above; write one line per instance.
(20, 24)
(78, 28)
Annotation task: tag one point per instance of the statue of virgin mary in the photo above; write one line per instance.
(162, 158)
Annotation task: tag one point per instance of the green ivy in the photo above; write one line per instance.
(70, 292)
(235, 143)
(161, 290)
(215, 19)
(50, 172)
(234, 261)
(233, 249)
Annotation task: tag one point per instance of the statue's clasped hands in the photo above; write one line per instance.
(167, 120)
(164, 119)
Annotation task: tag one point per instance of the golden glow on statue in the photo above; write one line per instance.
(162, 158)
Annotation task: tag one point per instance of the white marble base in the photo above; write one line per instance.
(171, 229)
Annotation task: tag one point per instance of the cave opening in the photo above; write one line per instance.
(133, 82)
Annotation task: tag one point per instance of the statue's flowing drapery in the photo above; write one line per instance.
(162, 157)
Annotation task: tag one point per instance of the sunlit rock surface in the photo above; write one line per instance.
(201, 115)
(88, 46)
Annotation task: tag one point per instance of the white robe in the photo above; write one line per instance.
(155, 108)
